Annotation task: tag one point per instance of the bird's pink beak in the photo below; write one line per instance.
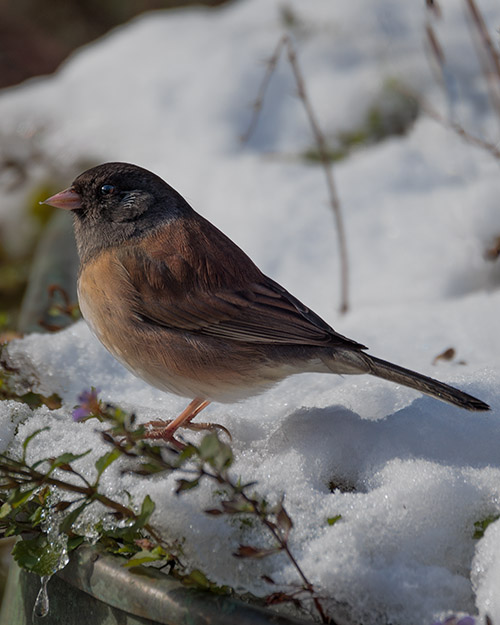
(67, 199)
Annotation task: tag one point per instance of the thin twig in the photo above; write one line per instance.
(283, 542)
(435, 46)
(487, 54)
(433, 6)
(492, 57)
(493, 149)
(90, 492)
(285, 42)
(212, 459)
(327, 167)
(493, 54)
(129, 444)
(436, 50)
(259, 100)
(222, 477)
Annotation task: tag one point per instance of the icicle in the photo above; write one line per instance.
(41, 607)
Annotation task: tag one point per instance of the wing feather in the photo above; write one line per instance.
(177, 288)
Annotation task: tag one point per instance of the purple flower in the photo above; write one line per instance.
(80, 413)
(89, 405)
(453, 620)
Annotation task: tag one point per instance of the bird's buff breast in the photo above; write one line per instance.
(169, 359)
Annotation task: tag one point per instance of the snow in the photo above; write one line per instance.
(172, 92)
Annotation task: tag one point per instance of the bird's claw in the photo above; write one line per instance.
(156, 430)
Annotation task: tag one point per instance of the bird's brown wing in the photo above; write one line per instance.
(220, 293)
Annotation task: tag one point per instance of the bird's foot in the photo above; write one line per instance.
(159, 430)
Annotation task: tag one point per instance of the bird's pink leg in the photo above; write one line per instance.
(166, 429)
(194, 408)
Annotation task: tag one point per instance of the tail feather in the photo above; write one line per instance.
(422, 383)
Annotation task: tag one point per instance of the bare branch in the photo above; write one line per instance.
(327, 167)
(487, 54)
(493, 149)
(286, 42)
(259, 100)
(493, 54)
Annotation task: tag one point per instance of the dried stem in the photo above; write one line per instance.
(283, 542)
(436, 48)
(211, 459)
(19, 473)
(433, 6)
(485, 36)
(493, 149)
(279, 534)
(285, 42)
(457, 128)
(325, 162)
(259, 100)
(487, 54)
(129, 444)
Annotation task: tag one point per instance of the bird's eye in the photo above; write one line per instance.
(107, 189)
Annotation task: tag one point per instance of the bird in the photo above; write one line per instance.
(184, 308)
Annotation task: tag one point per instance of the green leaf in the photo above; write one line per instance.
(28, 440)
(61, 506)
(480, 526)
(237, 505)
(68, 522)
(74, 542)
(5, 510)
(247, 551)
(38, 555)
(127, 549)
(215, 452)
(186, 454)
(183, 485)
(285, 523)
(36, 517)
(147, 509)
(333, 519)
(198, 579)
(68, 458)
(210, 446)
(214, 511)
(103, 462)
(131, 532)
(18, 497)
(224, 459)
(144, 556)
(148, 468)
(64, 461)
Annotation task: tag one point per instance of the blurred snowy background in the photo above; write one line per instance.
(172, 91)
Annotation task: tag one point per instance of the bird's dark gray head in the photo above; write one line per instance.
(116, 202)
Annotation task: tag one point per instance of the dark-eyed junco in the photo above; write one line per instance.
(184, 308)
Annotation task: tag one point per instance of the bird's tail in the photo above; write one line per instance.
(423, 383)
(354, 361)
